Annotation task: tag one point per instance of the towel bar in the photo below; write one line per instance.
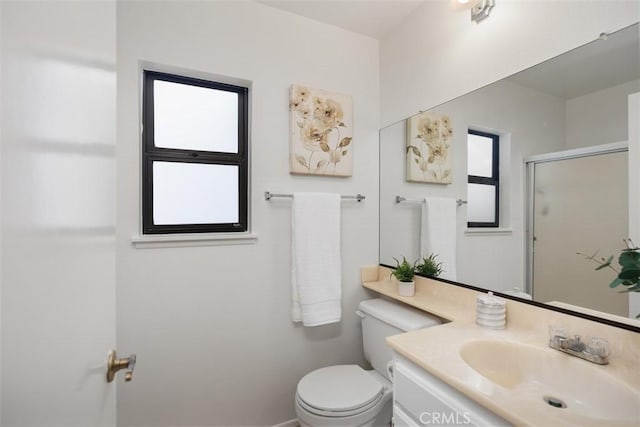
(400, 199)
(268, 195)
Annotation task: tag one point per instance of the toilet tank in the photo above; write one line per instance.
(382, 318)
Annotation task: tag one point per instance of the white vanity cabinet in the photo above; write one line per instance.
(420, 399)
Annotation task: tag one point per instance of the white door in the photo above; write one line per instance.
(580, 206)
(58, 209)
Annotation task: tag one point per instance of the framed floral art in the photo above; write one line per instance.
(321, 132)
(429, 137)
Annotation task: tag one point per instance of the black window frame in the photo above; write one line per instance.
(151, 153)
(494, 180)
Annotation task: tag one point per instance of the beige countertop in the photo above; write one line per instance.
(437, 350)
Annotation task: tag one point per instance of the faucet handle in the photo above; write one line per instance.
(557, 331)
(598, 346)
(558, 336)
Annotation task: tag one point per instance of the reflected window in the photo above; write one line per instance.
(483, 161)
(195, 157)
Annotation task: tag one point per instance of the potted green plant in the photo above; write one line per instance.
(404, 272)
(429, 266)
(628, 275)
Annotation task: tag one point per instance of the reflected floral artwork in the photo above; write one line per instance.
(429, 139)
(321, 126)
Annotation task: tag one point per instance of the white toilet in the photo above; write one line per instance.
(347, 395)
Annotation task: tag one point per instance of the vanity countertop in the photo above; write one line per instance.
(438, 351)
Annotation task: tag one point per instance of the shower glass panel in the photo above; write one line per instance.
(580, 206)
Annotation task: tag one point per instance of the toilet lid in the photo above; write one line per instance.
(341, 388)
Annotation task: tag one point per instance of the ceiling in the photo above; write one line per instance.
(373, 18)
(598, 65)
(573, 74)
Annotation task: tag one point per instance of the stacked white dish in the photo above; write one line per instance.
(491, 311)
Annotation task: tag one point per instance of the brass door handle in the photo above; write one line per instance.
(114, 365)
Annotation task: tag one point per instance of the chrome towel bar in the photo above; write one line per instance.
(400, 199)
(269, 195)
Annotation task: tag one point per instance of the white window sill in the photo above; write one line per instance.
(195, 239)
(488, 231)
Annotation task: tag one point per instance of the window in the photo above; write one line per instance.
(195, 155)
(483, 164)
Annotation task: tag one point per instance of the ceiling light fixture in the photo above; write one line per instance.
(481, 9)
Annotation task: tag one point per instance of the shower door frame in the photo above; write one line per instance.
(529, 169)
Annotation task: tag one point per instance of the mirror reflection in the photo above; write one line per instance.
(532, 172)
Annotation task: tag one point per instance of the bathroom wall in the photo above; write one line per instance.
(438, 54)
(599, 117)
(211, 325)
(58, 212)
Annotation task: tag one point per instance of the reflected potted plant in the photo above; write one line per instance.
(429, 267)
(404, 272)
(628, 276)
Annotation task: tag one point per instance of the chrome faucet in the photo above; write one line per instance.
(597, 351)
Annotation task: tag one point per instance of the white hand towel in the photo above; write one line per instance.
(438, 233)
(316, 290)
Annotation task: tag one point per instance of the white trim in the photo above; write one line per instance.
(529, 184)
(291, 423)
(485, 231)
(594, 150)
(184, 240)
(189, 72)
(634, 185)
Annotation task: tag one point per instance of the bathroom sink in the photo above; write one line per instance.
(551, 381)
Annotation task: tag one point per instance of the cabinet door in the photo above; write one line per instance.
(402, 419)
(427, 400)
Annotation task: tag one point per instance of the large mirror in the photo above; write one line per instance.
(553, 141)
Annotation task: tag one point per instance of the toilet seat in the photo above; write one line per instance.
(339, 391)
(337, 413)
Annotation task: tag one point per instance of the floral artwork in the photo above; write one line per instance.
(429, 137)
(321, 132)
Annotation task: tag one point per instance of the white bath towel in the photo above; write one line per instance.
(316, 290)
(438, 233)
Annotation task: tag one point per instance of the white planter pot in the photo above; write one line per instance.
(407, 289)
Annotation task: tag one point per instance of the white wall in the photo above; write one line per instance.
(438, 54)
(599, 117)
(211, 325)
(58, 213)
(529, 122)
